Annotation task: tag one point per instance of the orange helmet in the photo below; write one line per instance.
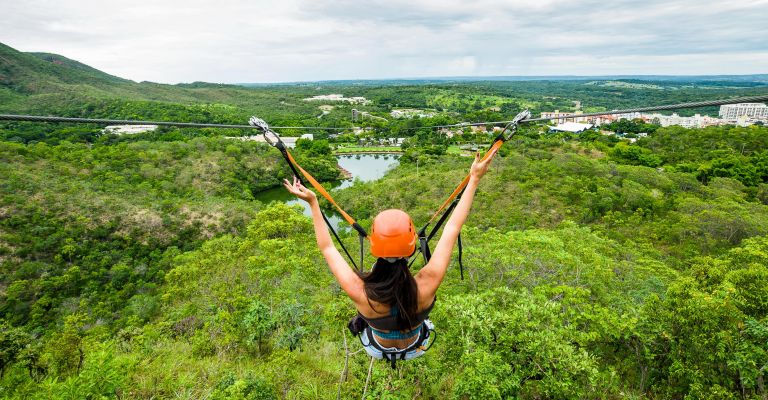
(393, 235)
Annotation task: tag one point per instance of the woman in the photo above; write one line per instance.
(394, 304)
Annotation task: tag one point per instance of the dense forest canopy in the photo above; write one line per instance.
(142, 266)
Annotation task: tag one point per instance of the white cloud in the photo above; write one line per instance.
(290, 40)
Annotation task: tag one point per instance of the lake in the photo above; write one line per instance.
(363, 167)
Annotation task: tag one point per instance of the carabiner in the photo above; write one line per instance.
(269, 135)
(512, 125)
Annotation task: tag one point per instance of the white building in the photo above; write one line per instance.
(732, 112)
(573, 127)
(410, 113)
(128, 129)
(339, 97)
(289, 141)
(557, 116)
(697, 121)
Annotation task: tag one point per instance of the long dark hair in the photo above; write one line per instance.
(392, 284)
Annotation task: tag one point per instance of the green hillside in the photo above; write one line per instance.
(76, 65)
(37, 73)
(43, 82)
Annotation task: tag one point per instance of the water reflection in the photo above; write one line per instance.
(365, 167)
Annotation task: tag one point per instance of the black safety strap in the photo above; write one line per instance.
(362, 252)
(424, 238)
(461, 264)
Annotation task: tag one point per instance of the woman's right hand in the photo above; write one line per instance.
(299, 190)
(480, 166)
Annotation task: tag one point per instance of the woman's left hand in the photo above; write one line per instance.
(480, 166)
(299, 190)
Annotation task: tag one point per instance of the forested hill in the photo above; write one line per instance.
(44, 82)
(32, 73)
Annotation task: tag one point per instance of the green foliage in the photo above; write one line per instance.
(630, 126)
(93, 228)
(251, 388)
(486, 376)
(518, 344)
(729, 152)
(12, 342)
(258, 324)
(634, 155)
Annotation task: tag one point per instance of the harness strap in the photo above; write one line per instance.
(461, 263)
(317, 186)
(424, 238)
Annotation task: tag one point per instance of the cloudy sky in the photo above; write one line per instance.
(231, 41)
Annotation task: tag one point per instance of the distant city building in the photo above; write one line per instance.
(732, 112)
(128, 129)
(410, 113)
(481, 129)
(629, 116)
(450, 132)
(339, 97)
(697, 121)
(743, 114)
(288, 140)
(557, 116)
(355, 114)
(572, 127)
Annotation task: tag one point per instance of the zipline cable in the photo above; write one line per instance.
(697, 104)
(43, 118)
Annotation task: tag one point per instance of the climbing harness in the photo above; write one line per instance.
(274, 140)
(422, 343)
(359, 327)
(364, 328)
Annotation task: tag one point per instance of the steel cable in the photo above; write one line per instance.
(697, 104)
(43, 118)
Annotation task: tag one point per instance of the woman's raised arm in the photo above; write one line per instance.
(432, 274)
(349, 281)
